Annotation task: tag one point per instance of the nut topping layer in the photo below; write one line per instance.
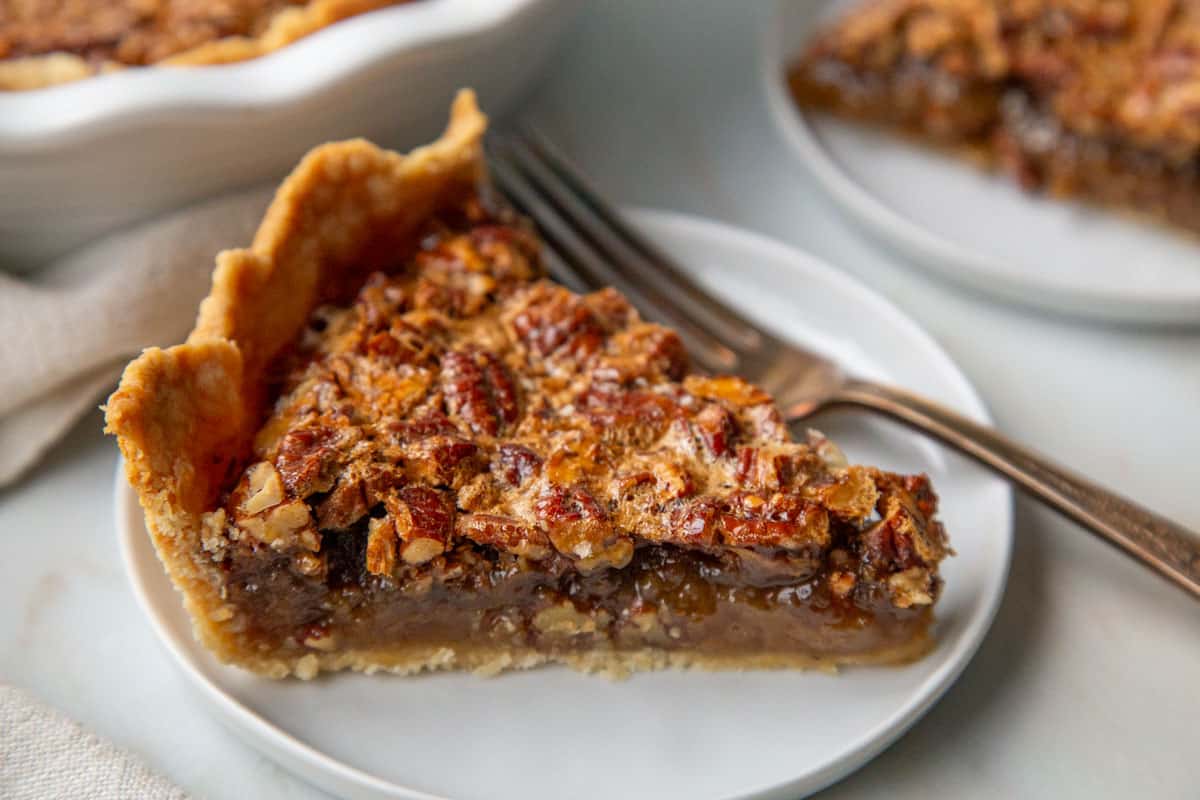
(464, 400)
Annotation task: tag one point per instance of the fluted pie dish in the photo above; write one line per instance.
(390, 443)
(47, 43)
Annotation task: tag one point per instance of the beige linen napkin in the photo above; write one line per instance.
(68, 329)
(45, 756)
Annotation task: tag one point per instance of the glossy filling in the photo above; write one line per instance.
(665, 598)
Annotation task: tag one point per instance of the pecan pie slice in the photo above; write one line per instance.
(390, 443)
(44, 42)
(1093, 99)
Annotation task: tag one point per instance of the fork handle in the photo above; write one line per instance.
(1164, 546)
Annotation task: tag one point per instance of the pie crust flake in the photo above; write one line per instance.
(47, 42)
(1097, 100)
(390, 443)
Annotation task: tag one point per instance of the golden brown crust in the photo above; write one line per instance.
(181, 412)
(491, 660)
(286, 26)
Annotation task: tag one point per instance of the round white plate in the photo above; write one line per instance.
(553, 733)
(976, 228)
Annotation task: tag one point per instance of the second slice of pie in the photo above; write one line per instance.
(1090, 99)
(391, 443)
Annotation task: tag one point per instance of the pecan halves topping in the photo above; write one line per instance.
(579, 528)
(423, 520)
(479, 391)
(550, 432)
(505, 534)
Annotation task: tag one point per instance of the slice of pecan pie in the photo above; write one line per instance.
(44, 42)
(1093, 99)
(389, 443)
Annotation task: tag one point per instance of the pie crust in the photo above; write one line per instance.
(1097, 100)
(283, 26)
(389, 444)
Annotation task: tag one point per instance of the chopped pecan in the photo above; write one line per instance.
(443, 461)
(729, 388)
(644, 352)
(307, 459)
(504, 533)
(478, 390)
(635, 418)
(344, 506)
(287, 525)
(696, 523)
(516, 464)
(716, 427)
(579, 528)
(264, 488)
(783, 520)
(424, 521)
(381, 546)
(555, 321)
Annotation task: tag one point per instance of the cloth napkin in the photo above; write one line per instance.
(67, 330)
(45, 756)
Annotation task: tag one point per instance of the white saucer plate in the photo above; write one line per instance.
(979, 229)
(554, 733)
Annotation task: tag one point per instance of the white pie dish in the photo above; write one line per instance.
(977, 229)
(555, 733)
(83, 158)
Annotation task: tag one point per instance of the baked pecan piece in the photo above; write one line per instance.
(727, 388)
(443, 461)
(479, 391)
(696, 522)
(715, 426)
(783, 520)
(515, 464)
(424, 521)
(513, 254)
(344, 506)
(643, 352)
(630, 417)
(308, 458)
(556, 321)
(579, 528)
(504, 533)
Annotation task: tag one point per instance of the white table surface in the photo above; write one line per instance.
(1087, 685)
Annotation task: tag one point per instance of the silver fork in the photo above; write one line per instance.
(590, 247)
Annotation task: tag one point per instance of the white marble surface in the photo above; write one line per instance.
(1086, 685)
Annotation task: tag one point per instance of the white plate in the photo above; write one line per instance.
(980, 229)
(553, 733)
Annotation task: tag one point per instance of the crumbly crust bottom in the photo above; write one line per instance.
(492, 660)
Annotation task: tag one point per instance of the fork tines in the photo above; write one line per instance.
(592, 247)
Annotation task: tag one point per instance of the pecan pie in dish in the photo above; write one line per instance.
(44, 42)
(1093, 99)
(390, 443)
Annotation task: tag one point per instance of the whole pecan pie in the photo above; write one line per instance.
(1093, 99)
(390, 443)
(44, 42)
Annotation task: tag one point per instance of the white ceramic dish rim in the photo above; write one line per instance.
(948, 259)
(318, 767)
(57, 116)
